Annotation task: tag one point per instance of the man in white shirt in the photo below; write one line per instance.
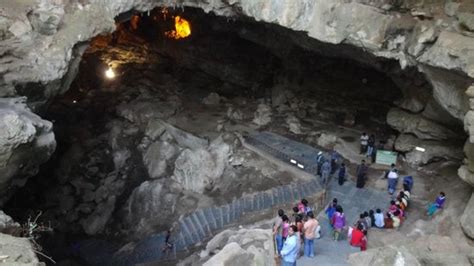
(379, 219)
(364, 141)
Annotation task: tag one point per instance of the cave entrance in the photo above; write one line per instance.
(215, 81)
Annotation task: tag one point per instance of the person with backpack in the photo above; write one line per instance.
(309, 231)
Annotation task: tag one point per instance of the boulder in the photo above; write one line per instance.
(199, 169)
(263, 115)
(235, 114)
(280, 95)
(240, 247)
(466, 175)
(388, 255)
(294, 124)
(17, 251)
(26, 141)
(327, 140)
(212, 99)
(157, 157)
(6, 222)
(96, 221)
(142, 110)
(146, 203)
(467, 218)
(418, 125)
(433, 150)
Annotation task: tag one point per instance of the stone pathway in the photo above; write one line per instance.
(353, 201)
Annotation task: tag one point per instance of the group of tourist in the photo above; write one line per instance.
(293, 233)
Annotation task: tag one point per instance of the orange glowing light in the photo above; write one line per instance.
(182, 29)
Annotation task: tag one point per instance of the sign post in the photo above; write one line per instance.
(386, 157)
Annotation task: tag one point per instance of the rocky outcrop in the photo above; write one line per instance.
(157, 157)
(26, 141)
(263, 115)
(432, 150)
(239, 247)
(419, 126)
(467, 219)
(200, 169)
(148, 202)
(17, 251)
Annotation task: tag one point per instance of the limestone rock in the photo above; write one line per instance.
(263, 115)
(240, 247)
(155, 128)
(281, 96)
(157, 156)
(469, 125)
(433, 150)
(6, 221)
(449, 89)
(435, 112)
(235, 114)
(466, 175)
(459, 55)
(418, 125)
(142, 110)
(145, 204)
(467, 20)
(200, 169)
(470, 91)
(212, 99)
(327, 140)
(185, 139)
(26, 141)
(96, 221)
(46, 18)
(467, 218)
(18, 251)
(469, 152)
(232, 254)
(388, 255)
(294, 124)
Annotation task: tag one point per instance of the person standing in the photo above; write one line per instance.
(277, 230)
(342, 174)
(325, 172)
(338, 222)
(330, 210)
(392, 179)
(361, 174)
(370, 145)
(290, 248)
(309, 230)
(363, 143)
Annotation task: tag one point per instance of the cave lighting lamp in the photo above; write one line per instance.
(110, 74)
(420, 149)
(300, 166)
(292, 161)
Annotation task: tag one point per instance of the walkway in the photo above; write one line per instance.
(353, 201)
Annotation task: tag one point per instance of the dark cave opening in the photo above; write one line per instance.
(163, 78)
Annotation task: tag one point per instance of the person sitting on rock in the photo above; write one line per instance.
(379, 219)
(372, 218)
(356, 236)
(392, 220)
(438, 204)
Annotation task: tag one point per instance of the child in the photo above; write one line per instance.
(338, 222)
(330, 210)
(438, 204)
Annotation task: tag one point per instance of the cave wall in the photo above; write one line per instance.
(39, 47)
